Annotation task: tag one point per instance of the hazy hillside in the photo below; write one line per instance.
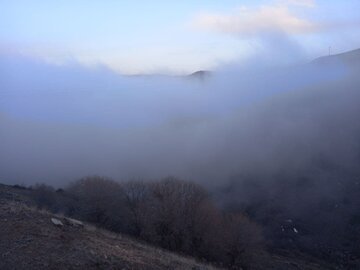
(351, 58)
(31, 240)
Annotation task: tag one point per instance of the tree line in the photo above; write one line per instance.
(170, 213)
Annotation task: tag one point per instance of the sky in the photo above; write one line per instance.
(136, 37)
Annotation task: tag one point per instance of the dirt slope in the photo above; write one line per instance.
(29, 240)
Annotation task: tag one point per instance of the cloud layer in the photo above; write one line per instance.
(246, 21)
(61, 123)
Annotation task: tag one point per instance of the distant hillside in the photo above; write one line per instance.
(351, 58)
(201, 74)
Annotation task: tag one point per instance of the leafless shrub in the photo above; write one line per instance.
(171, 213)
(175, 210)
(243, 241)
(137, 196)
(180, 216)
(43, 196)
(99, 200)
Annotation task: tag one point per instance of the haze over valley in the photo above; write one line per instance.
(228, 132)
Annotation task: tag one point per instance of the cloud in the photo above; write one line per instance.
(302, 3)
(282, 16)
(252, 21)
(60, 123)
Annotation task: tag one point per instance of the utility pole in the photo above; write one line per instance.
(329, 50)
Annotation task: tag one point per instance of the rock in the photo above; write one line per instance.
(57, 222)
(74, 222)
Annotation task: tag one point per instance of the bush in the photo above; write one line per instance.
(99, 200)
(176, 211)
(180, 216)
(137, 197)
(243, 240)
(171, 213)
(43, 196)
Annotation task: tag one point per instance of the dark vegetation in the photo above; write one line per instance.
(316, 214)
(173, 214)
(238, 226)
(30, 240)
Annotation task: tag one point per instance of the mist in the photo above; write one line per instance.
(260, 118)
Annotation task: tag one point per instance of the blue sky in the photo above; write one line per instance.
(171, 36)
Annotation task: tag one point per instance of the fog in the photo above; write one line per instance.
(263, 117)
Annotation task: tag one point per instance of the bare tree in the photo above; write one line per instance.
(137, 196)
(100, 200)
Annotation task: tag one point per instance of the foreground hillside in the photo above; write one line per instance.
(32, 239)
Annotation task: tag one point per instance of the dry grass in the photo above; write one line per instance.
(30, 241)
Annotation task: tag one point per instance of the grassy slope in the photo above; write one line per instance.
(29, 240)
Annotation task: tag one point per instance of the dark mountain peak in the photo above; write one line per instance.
(201, 74)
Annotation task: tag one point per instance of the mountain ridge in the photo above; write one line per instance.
(349, 57)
